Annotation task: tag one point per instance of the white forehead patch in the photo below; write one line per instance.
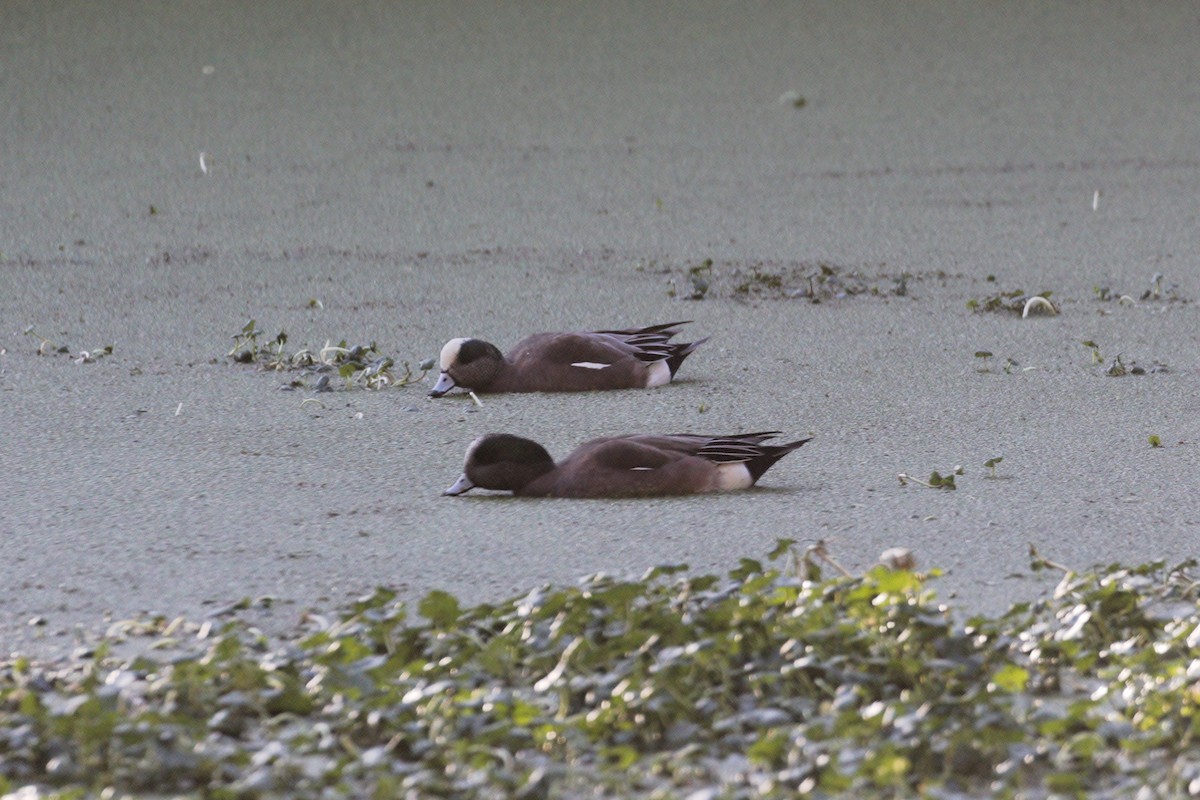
(450, 353)
(590, 365)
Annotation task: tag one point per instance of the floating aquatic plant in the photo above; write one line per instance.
(936, 479)
(1157, 292)
(769, 280)
(357, 365)
(1015, 301)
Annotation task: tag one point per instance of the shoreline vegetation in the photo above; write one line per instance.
(769, 681)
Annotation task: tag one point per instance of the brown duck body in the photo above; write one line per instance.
(622, 466)
(634, 358)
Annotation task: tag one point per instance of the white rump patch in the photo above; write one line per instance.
(590, 365)
(450, 353)
(658, 374)
(734, 476)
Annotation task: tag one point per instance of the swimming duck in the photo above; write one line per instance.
(634, 358)
(621, 466)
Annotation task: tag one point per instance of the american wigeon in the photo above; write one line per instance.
(635, 358)
(621, 466)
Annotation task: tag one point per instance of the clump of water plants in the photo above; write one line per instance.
(814, 281)
(1156, 292)
(1016, 301)
(356, 365)
(1105, 295)
(936, 479)
(823, 282)
(756, 281)
(1117, 368)
(48, 348)
(771, 681)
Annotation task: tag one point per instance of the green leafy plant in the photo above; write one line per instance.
(1155, 441)
(991, 464)
(859, 685)
(936, 479)
(245, 343)
(357, 365)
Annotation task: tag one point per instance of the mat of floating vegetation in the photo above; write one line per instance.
(766, 682)
(356, 365)
(812, 281)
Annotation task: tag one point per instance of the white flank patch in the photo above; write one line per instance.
(641, 469)
(450, 353)
(659, 374)
(590, 365)
(732, 477)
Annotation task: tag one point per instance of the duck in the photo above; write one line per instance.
(632, 358)
(642, 465)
